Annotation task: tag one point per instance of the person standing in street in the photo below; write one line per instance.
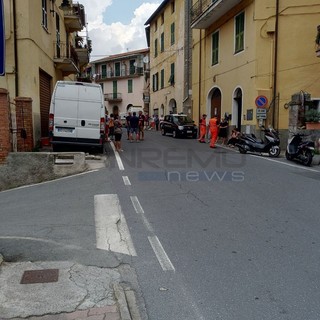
(128, 117)
(141, 125)
(134, 127)
(117, 134)
(214, 129)
(223, 130)
(203, 128)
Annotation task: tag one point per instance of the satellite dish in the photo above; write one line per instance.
(145, 59)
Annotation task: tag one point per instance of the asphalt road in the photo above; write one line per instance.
(211, 234)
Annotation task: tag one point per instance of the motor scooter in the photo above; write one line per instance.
(299, 149)
(270, 143)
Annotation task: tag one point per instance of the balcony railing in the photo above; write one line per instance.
(205, 12)
(66, 58)
(113, 97)
(124, 73)
(74, 17)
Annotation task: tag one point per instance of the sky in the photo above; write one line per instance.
(117, 26)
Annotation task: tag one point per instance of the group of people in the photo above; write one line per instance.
(135, 128)
(217, 130)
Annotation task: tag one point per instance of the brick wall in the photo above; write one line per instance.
(24, 124)
(5, 144)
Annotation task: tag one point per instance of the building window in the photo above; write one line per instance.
(117, 69)
(58, 38)
(162, 79)
(156, 47)
(44, 14)
(162, 42)
(171, 79)
(172, 33)
(103, 71)
(132, 67)
(155, 82)
(155, 26)
(114, 89)
(162, 18)
(215, 48)
(130, 86)
(239, 32)
(172, 6)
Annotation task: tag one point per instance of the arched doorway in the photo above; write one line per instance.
(162, 111)
(172, 106)
(237, 108)
(216, 104)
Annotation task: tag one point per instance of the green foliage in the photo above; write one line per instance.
(312, 115)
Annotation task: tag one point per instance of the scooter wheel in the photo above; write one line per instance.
(288, 156)
(242, 150)
(274, 151)
(307, 158)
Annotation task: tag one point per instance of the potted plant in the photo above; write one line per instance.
(312, 118)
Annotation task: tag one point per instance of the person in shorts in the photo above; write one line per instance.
(117, 133)
(134, 127)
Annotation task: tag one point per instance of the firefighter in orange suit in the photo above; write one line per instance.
(214, 129)
(203, 128)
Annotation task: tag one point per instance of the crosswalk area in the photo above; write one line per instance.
(112, 231)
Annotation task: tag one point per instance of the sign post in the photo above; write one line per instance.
(2, 41)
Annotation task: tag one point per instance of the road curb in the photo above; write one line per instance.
(127, 303)
(1, 259)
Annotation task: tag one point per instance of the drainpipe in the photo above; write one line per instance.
(275, 70)
(15, 47)
(200, 62)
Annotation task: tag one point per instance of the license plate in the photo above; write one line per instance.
(189, 131)
(65, 130)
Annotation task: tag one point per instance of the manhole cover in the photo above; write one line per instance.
(40, 276)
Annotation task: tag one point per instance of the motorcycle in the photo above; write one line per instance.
(270, 143)
(299, 149)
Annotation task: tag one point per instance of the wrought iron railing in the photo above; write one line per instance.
(200, 7)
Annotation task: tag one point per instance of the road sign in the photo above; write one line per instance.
(261, 101)
(261, 113)
(2, 41)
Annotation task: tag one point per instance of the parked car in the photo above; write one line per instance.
(179, 125)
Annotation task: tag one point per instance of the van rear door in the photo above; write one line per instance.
(90, 112)
(65, 111)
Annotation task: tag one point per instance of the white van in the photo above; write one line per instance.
(77, 115)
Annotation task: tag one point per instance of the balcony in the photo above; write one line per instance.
(121, 74)
(205, 12)
(113, 97)
(74, 17)
(65, 58)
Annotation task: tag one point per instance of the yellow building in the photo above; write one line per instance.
(168, 33)
(42, 48)
(250, 57)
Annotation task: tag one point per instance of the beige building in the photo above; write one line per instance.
(168, 35)
(125, 80)
(42, 47)
(250, 57)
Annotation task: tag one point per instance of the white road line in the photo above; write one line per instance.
(138, 208)
(116, 153)
(286, 164)
(126, 181)
(160, 253)
(112, 232)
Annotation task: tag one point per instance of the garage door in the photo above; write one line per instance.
(45, 98)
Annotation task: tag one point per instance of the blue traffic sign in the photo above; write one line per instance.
(2, 41)
(261, 101)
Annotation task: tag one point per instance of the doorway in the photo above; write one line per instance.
(237, 108)
(216, 104)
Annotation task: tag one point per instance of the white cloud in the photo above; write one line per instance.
(116, 37)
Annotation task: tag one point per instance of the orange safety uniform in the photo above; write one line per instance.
(203, 129)
(213, 127)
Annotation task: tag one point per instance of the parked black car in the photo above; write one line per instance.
(179, 125)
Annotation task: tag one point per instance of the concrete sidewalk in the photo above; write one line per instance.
(63, 290)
